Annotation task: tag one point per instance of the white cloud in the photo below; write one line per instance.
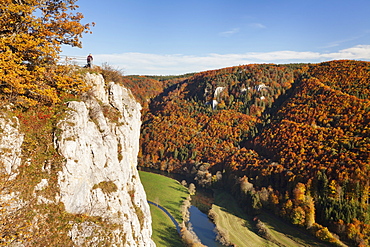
(257, 25)
(229, 32)
(348, 39)
(155, 64)
(357, 52)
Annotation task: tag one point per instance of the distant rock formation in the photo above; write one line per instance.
(218, 91)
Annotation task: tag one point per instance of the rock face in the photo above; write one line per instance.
(100, 141)
(96, 189)
(10, 144)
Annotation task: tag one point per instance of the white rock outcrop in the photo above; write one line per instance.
(10, 144)
(99, 140)
(97, 180)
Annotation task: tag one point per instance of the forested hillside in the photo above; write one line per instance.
(293, 139)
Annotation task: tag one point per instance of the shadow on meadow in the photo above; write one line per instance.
(279, 226)
(169, 237)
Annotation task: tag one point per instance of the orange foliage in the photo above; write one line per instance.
(31, 35)
(301, 130)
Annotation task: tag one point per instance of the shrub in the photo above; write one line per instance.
(324, 234)
(106, 186)
(111, 74)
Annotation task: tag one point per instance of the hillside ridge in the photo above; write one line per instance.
(301, 139)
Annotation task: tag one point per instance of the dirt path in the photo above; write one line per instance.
(168, 214)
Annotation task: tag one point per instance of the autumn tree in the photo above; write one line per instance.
(31, 35)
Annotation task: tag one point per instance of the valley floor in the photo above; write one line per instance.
(240, 228)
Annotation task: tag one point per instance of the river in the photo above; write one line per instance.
(203, 227)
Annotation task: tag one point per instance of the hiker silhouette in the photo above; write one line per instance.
(89, 60)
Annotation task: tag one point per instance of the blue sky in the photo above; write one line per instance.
(166, 37)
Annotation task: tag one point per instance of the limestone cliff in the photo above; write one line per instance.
(98, 178)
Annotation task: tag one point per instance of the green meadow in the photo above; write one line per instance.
(240, 228)
(170, 194)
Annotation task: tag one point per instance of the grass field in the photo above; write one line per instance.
(286, 234)
(170, 194)
(235, 222)
(240, 226)
(164, 232)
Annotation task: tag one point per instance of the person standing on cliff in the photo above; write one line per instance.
(89, 61)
